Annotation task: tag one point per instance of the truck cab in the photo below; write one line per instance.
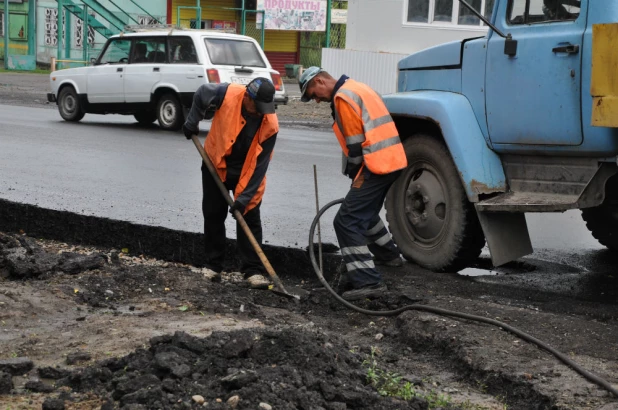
(521, 120)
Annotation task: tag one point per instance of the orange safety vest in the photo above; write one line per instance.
(226, 125)
(383, 152)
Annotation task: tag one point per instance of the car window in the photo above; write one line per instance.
(543, 11)
(117, 51)
(182, 50)
(223, 51)
(148, 50)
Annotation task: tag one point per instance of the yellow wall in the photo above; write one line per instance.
(211, 10)
(280, 40)
(275, 40)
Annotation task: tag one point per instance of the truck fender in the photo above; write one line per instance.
(480, 168)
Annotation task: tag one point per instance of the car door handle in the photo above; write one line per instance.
(569, 49)
(156, 69)
(119, 70)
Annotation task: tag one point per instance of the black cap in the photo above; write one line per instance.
(262, 91)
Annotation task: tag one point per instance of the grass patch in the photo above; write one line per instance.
(391, 384)
(37, 71)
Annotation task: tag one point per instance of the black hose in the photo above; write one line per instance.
(593, 378)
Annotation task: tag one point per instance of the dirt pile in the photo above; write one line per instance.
(283, 369)
(22, 258)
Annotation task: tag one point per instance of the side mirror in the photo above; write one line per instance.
(93, 60)
(510, 46)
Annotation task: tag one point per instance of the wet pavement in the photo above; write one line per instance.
(109, 166)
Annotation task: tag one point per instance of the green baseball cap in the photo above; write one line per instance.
(304, 79)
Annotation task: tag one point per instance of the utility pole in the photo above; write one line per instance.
(328, 7)
(6, 34)
(32, 28)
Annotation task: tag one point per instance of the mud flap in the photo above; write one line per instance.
(506, 234)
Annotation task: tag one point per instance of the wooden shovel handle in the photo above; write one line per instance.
(238, 215)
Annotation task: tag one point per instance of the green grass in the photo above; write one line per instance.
(37, 71)
(390, 384)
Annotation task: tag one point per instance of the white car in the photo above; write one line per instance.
(153, 75)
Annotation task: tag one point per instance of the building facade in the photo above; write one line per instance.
(17, 31)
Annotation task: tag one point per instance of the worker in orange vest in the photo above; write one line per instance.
(240, 144)
(373, 159)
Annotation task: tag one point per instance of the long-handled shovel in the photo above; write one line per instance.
(281, 289)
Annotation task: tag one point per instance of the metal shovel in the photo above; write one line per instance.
(241, 221)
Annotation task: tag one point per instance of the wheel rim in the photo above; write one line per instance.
(425, 203)
(69, 104)
(168, 113)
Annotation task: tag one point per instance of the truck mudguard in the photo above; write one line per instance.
(480, 168)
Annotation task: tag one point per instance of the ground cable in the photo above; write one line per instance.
(443, 312)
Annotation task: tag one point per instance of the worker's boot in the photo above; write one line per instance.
(393, 263)
(366, 292)
(258, 281)
(343, 279)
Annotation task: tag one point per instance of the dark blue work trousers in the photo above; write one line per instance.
(215, 210)
(360, 230)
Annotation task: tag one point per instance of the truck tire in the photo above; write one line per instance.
(428, 212)
(68, 105)
(145, 117)
(602, 220)
(169, 112)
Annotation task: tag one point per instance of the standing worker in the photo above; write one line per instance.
(373, 159)
(240, 145)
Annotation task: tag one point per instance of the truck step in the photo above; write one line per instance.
(528, 202)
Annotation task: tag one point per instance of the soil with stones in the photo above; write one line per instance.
(118, 330)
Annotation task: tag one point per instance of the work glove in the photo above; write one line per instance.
(237, 206)
(188, 131)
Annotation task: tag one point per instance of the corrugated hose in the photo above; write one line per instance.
(443, 312)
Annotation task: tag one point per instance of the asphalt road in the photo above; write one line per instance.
(109, 166)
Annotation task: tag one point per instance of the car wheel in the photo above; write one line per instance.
(169, 112)
(428, 212)
(69, 106)
(602, 220)
(145, 117)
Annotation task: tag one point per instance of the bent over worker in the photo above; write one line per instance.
(240, 144)
(373, 158)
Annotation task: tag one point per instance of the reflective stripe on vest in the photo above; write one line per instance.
(226, 125)
(382, 149)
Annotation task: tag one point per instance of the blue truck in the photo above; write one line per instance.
(521, 120)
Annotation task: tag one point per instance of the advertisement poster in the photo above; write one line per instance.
(299, 15)
(227, 26)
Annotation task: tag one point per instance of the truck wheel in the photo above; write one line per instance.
(145, 117)
(169, 112)
(68, 105)
(602, 220)
(428, 212)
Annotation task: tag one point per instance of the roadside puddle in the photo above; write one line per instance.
(478, 272)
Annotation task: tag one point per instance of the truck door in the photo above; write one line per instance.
(534, 97)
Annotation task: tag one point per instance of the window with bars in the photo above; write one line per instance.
(445, 12)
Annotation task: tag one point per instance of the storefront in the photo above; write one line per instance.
(281, 46)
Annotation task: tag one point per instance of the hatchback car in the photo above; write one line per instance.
(153, 75)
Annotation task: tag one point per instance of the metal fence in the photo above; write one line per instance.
(251, 27)
(311, 43)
